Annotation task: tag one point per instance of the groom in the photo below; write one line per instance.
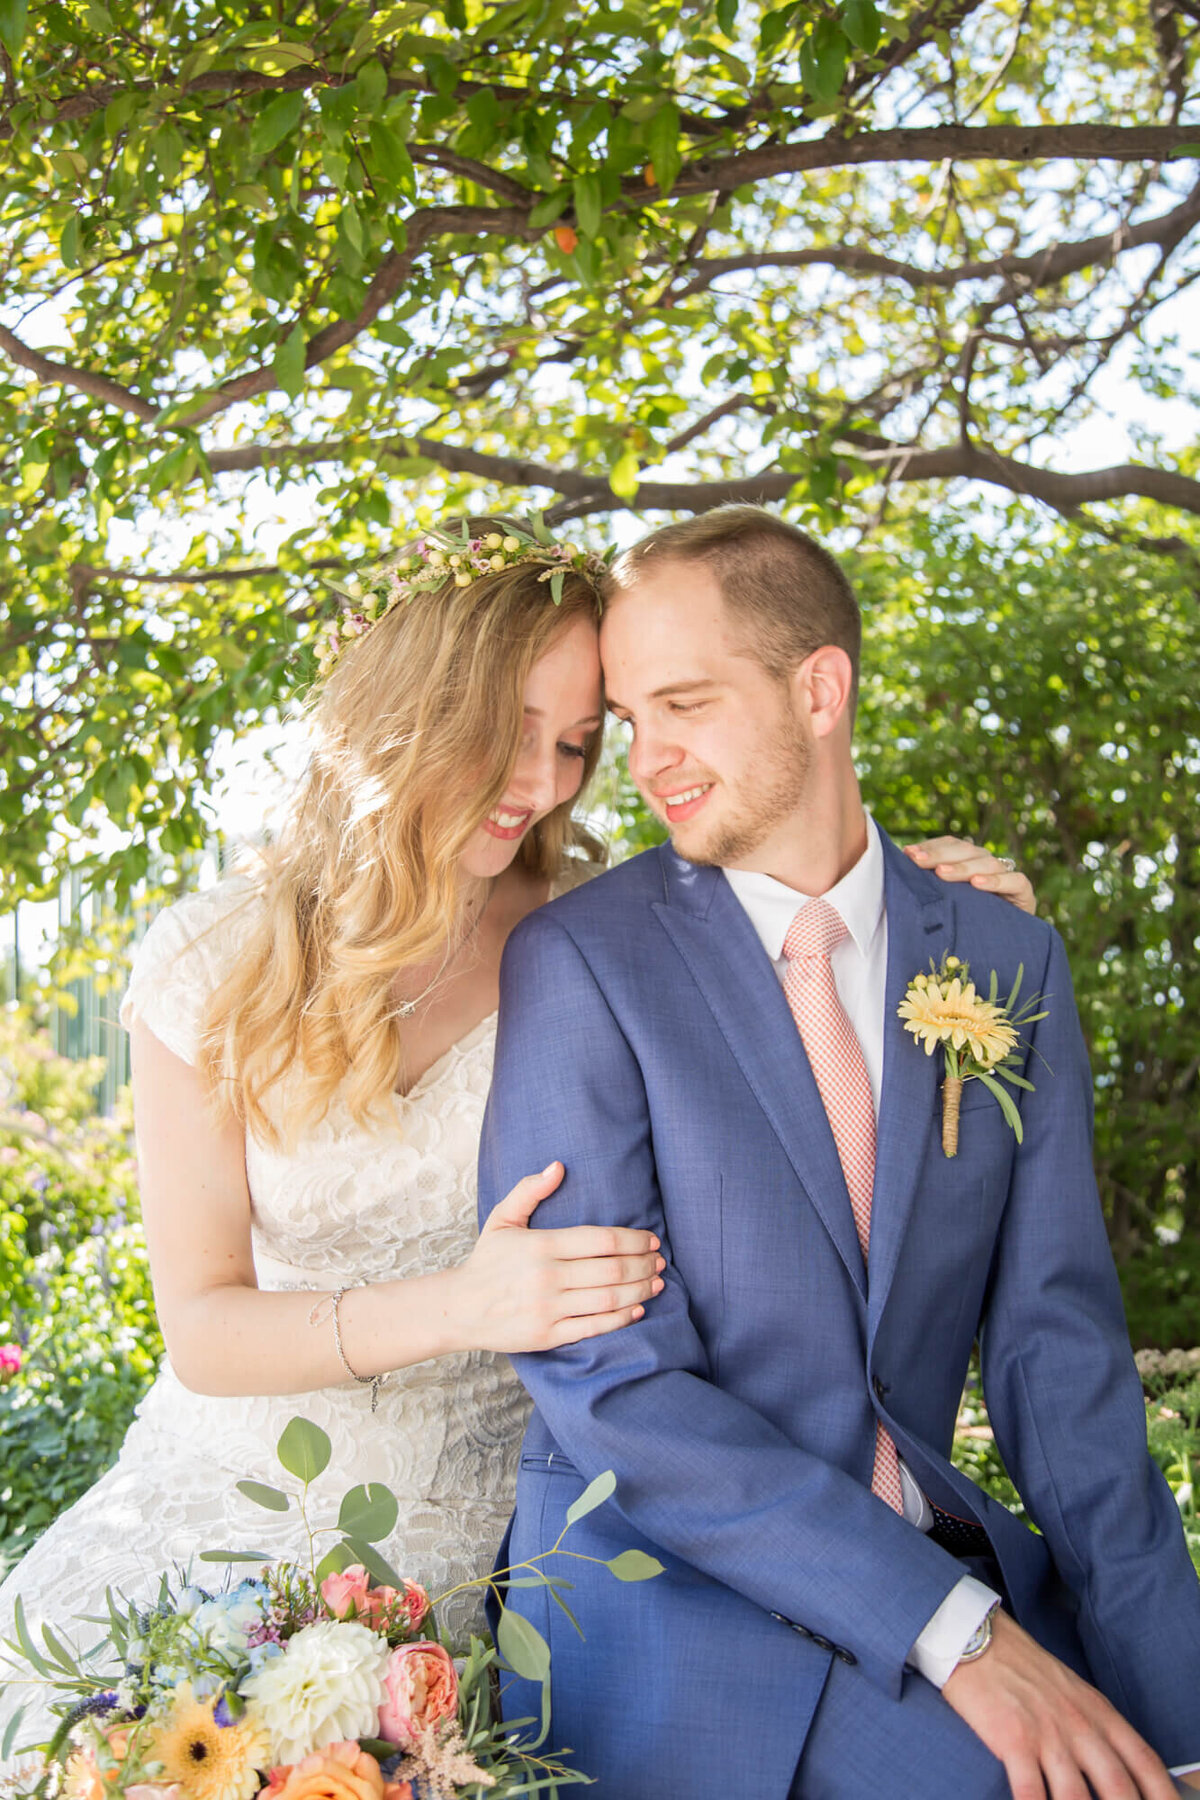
(708, 1037)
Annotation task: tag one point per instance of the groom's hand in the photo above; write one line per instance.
(1053, 1733)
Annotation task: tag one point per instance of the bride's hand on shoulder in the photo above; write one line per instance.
(958, 859)
(537, 1290)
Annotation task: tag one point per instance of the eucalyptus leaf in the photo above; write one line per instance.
(635, 1565)
(522, 1646)
(334, 1561)
(273, 1499)
(594, 1494)
(375, 1565)
(559, 1601)
(303, 1449)
(369, 1512)
(237, 1556)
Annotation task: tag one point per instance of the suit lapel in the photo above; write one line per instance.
(724, 957)
(919, 927)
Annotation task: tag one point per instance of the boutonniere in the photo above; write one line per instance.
(981, 1037)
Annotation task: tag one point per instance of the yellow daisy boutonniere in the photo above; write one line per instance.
(980, 1037)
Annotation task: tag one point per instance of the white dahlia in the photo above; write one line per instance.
(327, 1688)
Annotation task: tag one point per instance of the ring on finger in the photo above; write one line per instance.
(1007, 864)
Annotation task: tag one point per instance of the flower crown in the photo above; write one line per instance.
(442, 556)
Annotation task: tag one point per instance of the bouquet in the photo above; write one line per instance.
(323, 1679)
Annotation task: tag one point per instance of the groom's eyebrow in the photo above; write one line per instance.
(697, 685)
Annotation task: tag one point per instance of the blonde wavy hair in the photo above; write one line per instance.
(416, 732)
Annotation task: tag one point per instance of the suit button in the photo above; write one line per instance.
(882, 1390)
(822, 1643)
(846, 1656)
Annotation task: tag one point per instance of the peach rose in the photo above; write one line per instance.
(345, 1592)
(421, 1689)
(338, 1772)
(153, 1790)
(348, 1595)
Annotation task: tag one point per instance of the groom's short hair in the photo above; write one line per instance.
(778, 582)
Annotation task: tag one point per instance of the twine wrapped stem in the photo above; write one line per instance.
(952, 1089)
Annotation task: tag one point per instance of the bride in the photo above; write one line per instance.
(312, 1043)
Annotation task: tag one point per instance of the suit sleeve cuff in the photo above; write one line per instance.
(936, 1652)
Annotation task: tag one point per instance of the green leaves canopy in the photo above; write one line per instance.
(373, 262)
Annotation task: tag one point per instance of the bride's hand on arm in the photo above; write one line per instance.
(518, 1290)
(958, 859)
(538, 1290)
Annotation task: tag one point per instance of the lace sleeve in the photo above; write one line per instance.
(180, 963)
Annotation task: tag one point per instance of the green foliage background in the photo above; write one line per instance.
(277, 287)
(75, 1284)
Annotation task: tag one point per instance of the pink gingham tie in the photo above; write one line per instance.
(836, 1058)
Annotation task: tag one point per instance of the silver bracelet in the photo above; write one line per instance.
(374, 1382)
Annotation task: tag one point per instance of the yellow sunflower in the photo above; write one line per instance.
(951, 1012)
(209, 1761)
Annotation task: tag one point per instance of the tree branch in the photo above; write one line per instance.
(1065, 493)
(1042, 269)
(83, 575)
(389, 278)
(1085, 142)
(493, 181)
(895, 462)
(83, 380)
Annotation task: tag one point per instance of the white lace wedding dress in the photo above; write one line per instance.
(347, 1206)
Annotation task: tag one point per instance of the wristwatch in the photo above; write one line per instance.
(981, 1637)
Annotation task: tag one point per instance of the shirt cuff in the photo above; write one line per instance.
(1185, 1769)
(936, 1652)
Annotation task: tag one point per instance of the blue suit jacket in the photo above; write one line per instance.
(645, 1039)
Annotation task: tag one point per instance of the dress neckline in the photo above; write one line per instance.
(430, 1076)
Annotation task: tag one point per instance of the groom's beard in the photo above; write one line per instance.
(752, 813)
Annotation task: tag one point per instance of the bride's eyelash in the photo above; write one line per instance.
(573, 750)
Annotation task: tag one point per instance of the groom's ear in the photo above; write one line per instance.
(823, 689)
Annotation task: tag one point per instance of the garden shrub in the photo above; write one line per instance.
(79, 1342)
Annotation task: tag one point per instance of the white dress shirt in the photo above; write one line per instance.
(859, 966)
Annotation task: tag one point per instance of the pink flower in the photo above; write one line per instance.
(345, 1592)
(415, 1602)
(347, 1595)
(421, 1688)
(10, 1360)
(153, 1790)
